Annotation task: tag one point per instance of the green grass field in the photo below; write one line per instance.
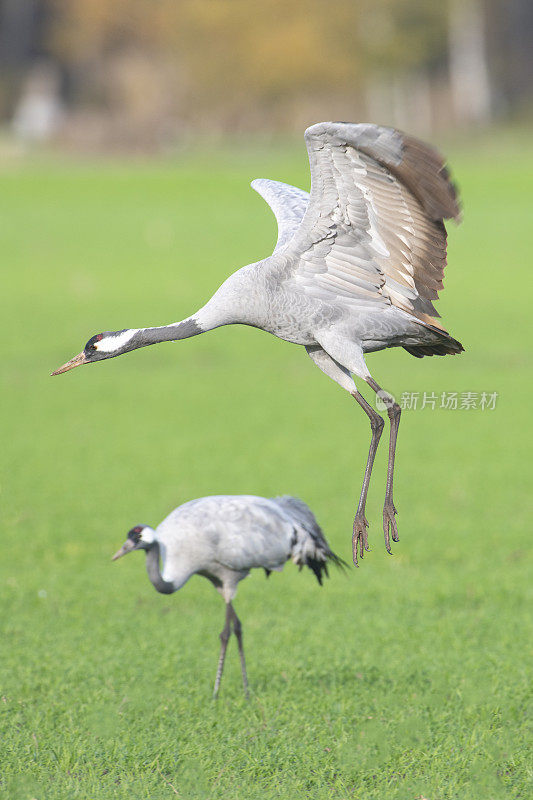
(405, 678)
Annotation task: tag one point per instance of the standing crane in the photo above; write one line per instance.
(357, 265)
(223, 538)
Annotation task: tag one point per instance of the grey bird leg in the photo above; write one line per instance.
(333, 369)
(390, 527)
(360, 523)
(224, 638)
(237, 629)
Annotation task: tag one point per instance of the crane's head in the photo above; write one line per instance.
(141, 537)
(103, 345)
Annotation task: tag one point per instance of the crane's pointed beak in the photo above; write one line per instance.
(127, 547)
(74, 362)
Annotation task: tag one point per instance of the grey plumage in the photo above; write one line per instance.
(222, 538)
(357, 267)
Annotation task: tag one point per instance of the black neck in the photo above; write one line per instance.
(168, 333)
(154, 572)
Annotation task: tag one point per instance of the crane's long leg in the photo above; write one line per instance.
(237, 629)
(360, 523)
(224, 638)
(333, 369)
(390, 528)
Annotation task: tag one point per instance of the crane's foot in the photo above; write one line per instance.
(390, 528)
(359, 537)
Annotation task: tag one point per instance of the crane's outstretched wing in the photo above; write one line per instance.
(288, 203)
(373, 229)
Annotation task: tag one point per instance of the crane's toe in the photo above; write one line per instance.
(390, 527)
(359, 537)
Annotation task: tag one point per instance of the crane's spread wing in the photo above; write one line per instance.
(373, 229)
(288, 203)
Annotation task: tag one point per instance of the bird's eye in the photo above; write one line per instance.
(91, 344)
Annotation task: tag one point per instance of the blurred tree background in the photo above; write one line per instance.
(147, 74)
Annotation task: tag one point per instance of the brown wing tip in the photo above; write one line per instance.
(426, 173)
(417, 164)
(456, 208)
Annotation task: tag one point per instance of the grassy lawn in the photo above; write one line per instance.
(405, 678)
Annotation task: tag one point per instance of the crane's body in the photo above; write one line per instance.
(222, 538)
(356, 268)
(279, 308)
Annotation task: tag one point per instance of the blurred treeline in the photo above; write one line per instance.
(145, 74)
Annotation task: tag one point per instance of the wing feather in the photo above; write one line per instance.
(373, 226)
(288, 204)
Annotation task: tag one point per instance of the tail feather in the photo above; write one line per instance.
(443, 345)
(309, 546)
